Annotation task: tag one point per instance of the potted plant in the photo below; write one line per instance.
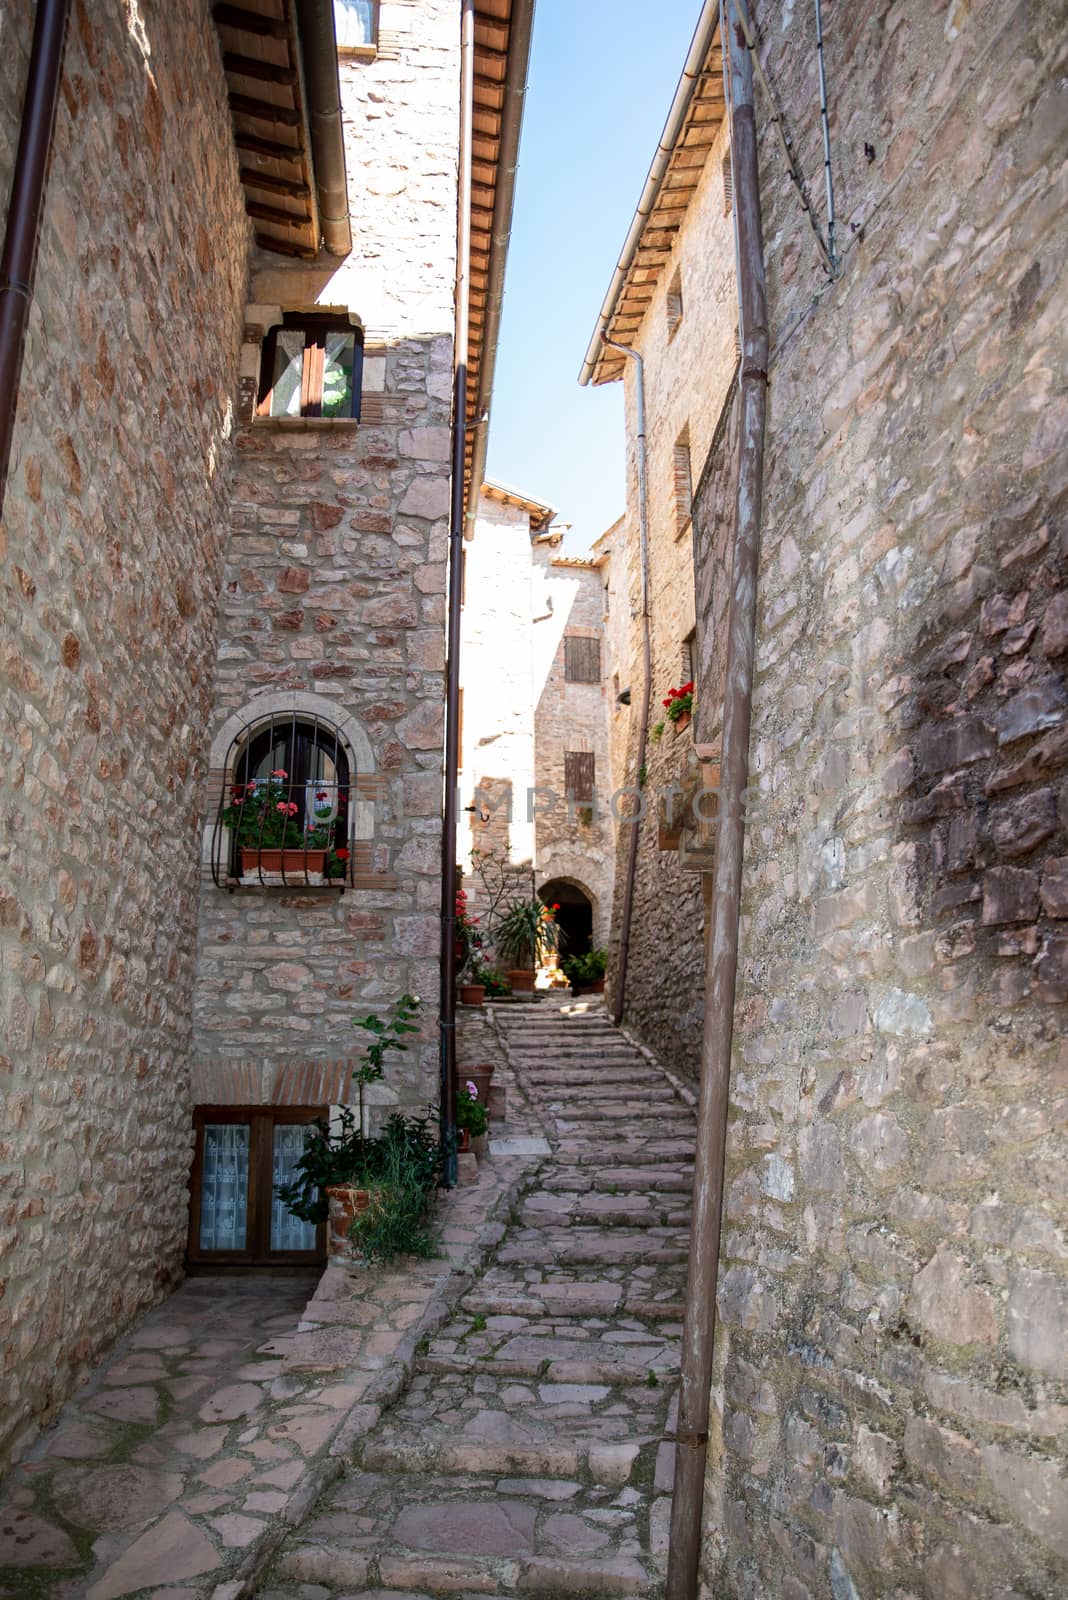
(262, 816)
(525, 934)
(472, 1121)
(679, 704)
(468, 948)
(586, 973)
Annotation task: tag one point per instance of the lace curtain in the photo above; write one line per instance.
(224, 1186)
(287, 1231)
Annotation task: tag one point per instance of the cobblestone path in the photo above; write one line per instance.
(528, 1452)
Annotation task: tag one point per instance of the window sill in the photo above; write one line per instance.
(320, 890)
(307, 424)
(357, 52)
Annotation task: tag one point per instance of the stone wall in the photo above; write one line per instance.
(688, 372)
(111, 547)
(891, 1375)
(574, 843)
(522, 599)
(333, 595)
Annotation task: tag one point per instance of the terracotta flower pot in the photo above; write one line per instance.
(682, 720)
(294, 863)
(463, 1140)
(594, 986)
(472, 994)
(346, 1203)
(480, 1144)
(521, 980)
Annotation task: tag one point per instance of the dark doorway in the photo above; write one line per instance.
(574, 918)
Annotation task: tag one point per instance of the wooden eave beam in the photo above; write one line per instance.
(243, 21)
(244, 105)
(264, 71)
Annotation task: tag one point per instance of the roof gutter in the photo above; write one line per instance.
(691, 72)
(318, 49)
(515, 89)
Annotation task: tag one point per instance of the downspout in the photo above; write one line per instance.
(19, 260)
(521, 28)
(318, 48)
(447, 1010)
(700, 1312)
(619, 984)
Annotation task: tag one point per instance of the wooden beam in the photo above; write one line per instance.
(250, 22)
(275, 214)
(246, 105)
(266, 71)
(283, 247)
(295, 188)
(267, 147)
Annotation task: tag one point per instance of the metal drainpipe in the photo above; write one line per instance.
(318, 48)
(700, 1314)
(19, 260)
(620, 984)
(447, 1017)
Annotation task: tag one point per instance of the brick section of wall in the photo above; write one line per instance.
(891, 1376)
(334, 587)
(111, 547)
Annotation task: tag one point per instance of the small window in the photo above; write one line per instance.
(579, 776)
(243, 1154)
(728, 185)
(582, 660)
(312, 366)
(674, 305)
(356, 24)
(688, 657)
(683, 480)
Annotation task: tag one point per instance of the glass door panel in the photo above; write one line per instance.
(224, 1186)
(287, 1231)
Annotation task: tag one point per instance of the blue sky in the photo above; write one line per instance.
(603, 73)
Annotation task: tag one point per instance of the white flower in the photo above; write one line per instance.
(472, 1089)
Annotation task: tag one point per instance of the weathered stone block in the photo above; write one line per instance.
(1010, 894)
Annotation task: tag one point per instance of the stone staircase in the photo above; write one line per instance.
(528, 1454)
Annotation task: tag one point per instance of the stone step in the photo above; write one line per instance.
(613, 1180)
(567, 1348)
(549, 1453)
(601, 1077)
(595, 1095)
(629, 1210)
(380, 1533)
(600, 1247)
(522, 1302)
(580, 1152)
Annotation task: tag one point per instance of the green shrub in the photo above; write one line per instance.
(585, 969)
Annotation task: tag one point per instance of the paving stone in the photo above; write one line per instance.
(172, 1550)
(104, 1498)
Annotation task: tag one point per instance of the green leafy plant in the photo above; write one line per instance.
(470, 1112)
(343, 1156)
(589, 968)
(386, 1034)
(491, 978)
(399, 1218)
(526, 933)
(656, 732)
(262, 815)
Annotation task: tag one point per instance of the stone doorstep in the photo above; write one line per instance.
(533, 1576)
(604, 1463)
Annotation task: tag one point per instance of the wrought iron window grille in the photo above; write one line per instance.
(285, 816)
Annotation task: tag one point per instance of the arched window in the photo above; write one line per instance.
(285, 808)
(311, 366)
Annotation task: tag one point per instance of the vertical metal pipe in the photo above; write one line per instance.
(710, 1156)
(19, 259)
(619, 984)
(828, 179)
(447, 1010)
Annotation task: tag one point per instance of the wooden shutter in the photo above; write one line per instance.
(582, 660)
(579, 776)
(673, 304)
(683, 480)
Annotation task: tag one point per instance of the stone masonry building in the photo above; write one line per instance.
(891, 1388)
(224, 546)
(683, 324)
(535, 725)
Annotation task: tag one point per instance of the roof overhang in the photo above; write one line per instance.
(692, 126)
(503, 30)
(280, 61)
(541, 513)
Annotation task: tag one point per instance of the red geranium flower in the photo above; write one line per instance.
(342, 855)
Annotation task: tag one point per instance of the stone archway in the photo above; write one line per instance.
(575, 916)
